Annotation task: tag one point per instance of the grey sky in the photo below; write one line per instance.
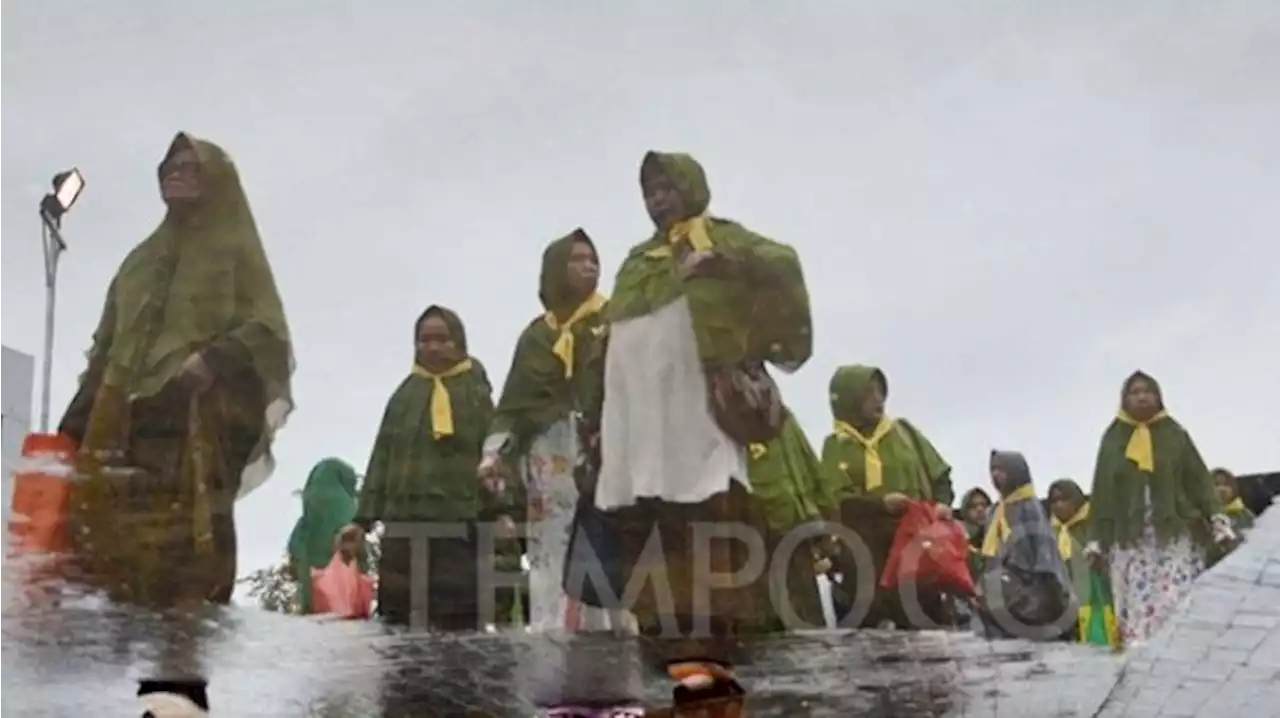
(1008, 206)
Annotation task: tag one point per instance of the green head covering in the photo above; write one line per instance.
(554, 288)
(199, 283)
(685, 173)
(457, 331)
(848, 389)
(328, 504)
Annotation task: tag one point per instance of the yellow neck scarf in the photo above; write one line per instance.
(1065, 544)
(693, 230)
(1139, 450)
(873, 466)
(441, 404)
(998, 529)
(1236, 506)
(564, 346)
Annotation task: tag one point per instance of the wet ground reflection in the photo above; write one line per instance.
(84, 656)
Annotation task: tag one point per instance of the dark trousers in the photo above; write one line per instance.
(450, 583)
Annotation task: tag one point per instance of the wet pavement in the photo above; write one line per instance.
(85, 658)
(1221, 658)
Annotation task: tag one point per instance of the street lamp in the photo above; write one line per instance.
(67, 187)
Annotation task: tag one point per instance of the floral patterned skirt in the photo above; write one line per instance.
(553, 499)
(1150, 579)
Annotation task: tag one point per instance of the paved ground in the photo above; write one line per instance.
(1221, 658)
(266, 665)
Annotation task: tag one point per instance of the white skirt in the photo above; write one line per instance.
(658, 437)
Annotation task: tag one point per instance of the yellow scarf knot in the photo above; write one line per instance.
(998, 529)
(441, 404)
(1139, 449)
(1063, 530)
(565, 343)
(695, 230)
(872, 465)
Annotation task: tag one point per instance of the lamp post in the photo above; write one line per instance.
(67, 187)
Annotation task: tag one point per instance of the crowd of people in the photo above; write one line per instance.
(646, 414)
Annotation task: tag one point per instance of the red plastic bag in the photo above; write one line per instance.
(42, 493)
(931, 551)
(342, 589)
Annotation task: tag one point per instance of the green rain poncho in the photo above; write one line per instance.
(909, 464)
(542, 388)
(760, 312)
(328, 504)
(1071, 545)
(1242, 519)
(1181, 491)
(415, 475)
(785, 479)
(203, 285)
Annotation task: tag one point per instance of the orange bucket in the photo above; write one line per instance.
(42, 493)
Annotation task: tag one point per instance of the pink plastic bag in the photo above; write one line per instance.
(342, 589)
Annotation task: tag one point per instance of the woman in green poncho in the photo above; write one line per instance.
(873, 465)
(188, 381)
(538, 421)
(1242, 519)
(328, 505)
(1069, 512)
(975, 507)
(423, 470)
(785, 479)
(696, 311)
(1152, 510)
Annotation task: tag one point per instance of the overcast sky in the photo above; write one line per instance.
(1007, 206)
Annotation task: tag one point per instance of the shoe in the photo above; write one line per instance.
(705, 685)
(170, 705)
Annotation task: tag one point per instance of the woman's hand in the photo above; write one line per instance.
(1093, 553)
(943, 512)
(196, 374)
(896, 502)
(1223, 533)
(506, 527)
(490, 474)
(707, 264)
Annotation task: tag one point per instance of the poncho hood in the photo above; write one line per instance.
(555, 291)
(848, 388)
(686, 174)
(457, 331)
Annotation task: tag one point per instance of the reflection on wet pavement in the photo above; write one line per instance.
(83, 658)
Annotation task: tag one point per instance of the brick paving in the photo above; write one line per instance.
(1221, 655)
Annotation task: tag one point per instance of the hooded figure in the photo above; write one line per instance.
(187, 383)
(539, 428)
(423, 470)
(1242, 519)
(975, 509)
(697, 311)
(1152, 511)
(1024, 579)
(1069, 517)
(328, 505)
(871, 464)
